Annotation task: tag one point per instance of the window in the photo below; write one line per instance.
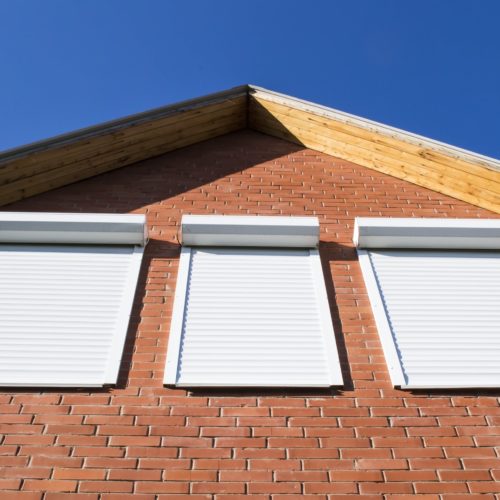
(250, 305)
(67, 283)
(434, 286)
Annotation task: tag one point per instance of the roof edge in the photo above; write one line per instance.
(403, 135)
(126, 121)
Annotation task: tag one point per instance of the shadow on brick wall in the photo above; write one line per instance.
(162, 179)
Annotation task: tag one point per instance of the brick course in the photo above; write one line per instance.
(144, 441)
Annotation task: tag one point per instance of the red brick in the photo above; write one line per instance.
(111, 463)
(274, 464)
(225, 431)
(464, 475)
(313, 453)
(235, 496)
(134, 441)
(292, 442)
(229, 401)
(410, 475)
(245, 412)
(468, 496)
(470, 452)
(270, 488)
(10, 484)
(484, 487)
(25, 472)
(379, 488)
(218, 487)
(97, 451)
(146, 451)
(52, 485)
(375, 463)
(51, 461)
(24, 495)
(134, 475)
(434, 463)
(79, 474)
(8, 461)
(418, 453)
(8, 450)
(20, 429)
(328, 464)
(106, 486)
(205, 453)
(334, 488)
(232, 442)
(313, 422)
(220, 464)
(164, 463)
(481, 463)
(192, 411)
(126, 496)
(171, 496)
(196, 475)
(390, 442)
(436, 487)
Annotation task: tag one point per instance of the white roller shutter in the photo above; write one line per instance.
(250, 231)
(438, 314)
(251, 317)
(445, 234)
(65, 309)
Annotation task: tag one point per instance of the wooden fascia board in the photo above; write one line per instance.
(462, 174)
(123, 122)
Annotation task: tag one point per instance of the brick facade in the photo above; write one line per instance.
(142, 440)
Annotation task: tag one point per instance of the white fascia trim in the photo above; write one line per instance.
(450, 234)
(73, 228)
(384, 329)
(118, 342)
(374, 126)
(250, 231)
(175, 337)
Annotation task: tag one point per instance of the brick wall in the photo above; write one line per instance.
(148, 442)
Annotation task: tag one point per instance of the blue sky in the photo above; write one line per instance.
(430, 67)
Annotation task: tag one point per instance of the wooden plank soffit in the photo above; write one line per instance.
(52, 163)
(440, 167)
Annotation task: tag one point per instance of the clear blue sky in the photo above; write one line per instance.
(427, 66)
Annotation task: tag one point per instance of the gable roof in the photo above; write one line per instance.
(62, 160)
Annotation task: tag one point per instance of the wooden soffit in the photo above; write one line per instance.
(65, 159)
(452, 171)
(68, 158)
